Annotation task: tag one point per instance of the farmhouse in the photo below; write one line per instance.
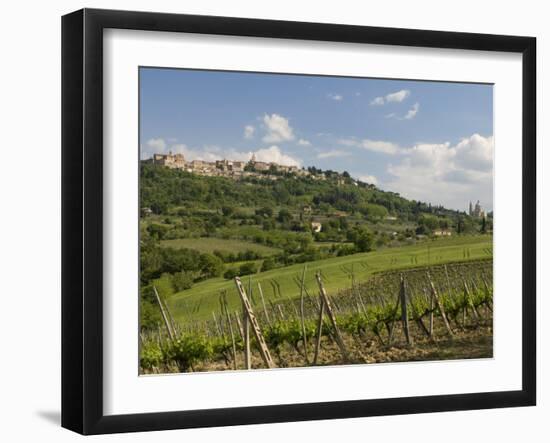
(316, 226)
(146, 211)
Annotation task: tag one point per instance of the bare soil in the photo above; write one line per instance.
(470, 342)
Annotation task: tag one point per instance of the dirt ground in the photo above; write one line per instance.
(466, 343)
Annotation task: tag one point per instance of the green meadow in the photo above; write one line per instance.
(211, 244)
(202, 299)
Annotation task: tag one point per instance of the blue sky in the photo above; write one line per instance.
(431, 141)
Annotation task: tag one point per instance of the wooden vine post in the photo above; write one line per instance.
(319, 332)
(431, 314)
(439, 305)
(302, 313)
(470, 302)
(392, 327)
(223, 301)
(239, 325)
(252, 322)
(246, 339)
(326, 302)
(404, 312)
(164, 316)
(263, 303)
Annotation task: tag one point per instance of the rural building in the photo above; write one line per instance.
(316, 226)
(224, 165)
(442, 233)
(146, 211)
(238, 166)
(261, 166)
(174, 161)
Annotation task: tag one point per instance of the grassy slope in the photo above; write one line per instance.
(210, 244)
(203, 297)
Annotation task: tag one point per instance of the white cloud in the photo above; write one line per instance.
(378, 101)
(152, 146)
(335, 97)
(157, 143)
(277, 129)
(367, 178)
(411, 113)
(349, 142)
(372, 145)
(446, 174)
(249, 131)
(333, 153)
(304, 142)
(275, 155)
(398, 96)
(208, 153)
(394, 97)
(380, 146)
(475, 152)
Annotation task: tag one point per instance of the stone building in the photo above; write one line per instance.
(476, 211)
(174, 161)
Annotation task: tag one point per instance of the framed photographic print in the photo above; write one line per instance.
(269, 221)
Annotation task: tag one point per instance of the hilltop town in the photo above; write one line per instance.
(229, 168)
(238, 169)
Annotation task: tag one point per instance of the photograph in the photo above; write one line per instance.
(291, 220)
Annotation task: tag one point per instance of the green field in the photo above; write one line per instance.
(198, 302)
(211, 244)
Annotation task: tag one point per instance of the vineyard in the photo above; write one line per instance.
(416, 313)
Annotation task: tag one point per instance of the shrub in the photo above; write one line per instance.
(268, 264)
(151, 356)
(230, 273)
(187, 350)
(182, 280)
(248, 268)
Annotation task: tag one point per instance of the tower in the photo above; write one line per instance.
(477, 209)
(470, 211)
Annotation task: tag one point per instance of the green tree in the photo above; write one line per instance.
(265, 211)
(182, 280)
(362, 238)
(210, 265)
(484, 225)
(230, 273)
(248, 268)
(227, 211)
(284, 216)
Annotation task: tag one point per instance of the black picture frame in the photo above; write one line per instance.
(82, 218)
